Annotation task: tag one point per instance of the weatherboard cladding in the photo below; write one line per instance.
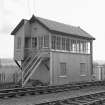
(56, 27)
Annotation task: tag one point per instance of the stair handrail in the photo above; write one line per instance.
(39, 57)
(26, 60)
(29, 64)
(28, 73)
(32, 57)
(36, 57)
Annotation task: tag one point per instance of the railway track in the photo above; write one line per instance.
(15, 92)
(90, 99)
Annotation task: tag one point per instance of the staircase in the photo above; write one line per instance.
(29, 66)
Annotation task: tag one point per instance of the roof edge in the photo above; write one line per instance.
(86, 33)
(18, 26)
(58, 32)
(33, 18)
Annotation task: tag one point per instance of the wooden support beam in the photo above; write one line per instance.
(18, 64)
(46, 66)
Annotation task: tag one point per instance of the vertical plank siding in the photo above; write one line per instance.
(8, 80)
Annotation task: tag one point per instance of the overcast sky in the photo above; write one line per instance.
(88, 14)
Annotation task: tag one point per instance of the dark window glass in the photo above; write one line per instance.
(63, 68)
(46, 41)
(53, 38)
(40, 42)
(34, 42)
(27, 42)
(63, 43)
(58, 42)
(83, 68)
(67, 45)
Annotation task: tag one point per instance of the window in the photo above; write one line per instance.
(67, 44)
(63, 69)
(81, 46)
(83, 68)
(27, 42)
(78, 46)
(40, 42)
(88, 47)
(34, 42)
(46, 41)
(18, 42)
(63, 44)
(84, 47)
(58, 42)
(74, 45)
(53, 42)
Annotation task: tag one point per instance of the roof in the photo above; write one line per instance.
(18, 26)
(56, 27)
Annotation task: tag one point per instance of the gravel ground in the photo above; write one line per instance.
(32, 100)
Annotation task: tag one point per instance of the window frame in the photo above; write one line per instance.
(34, 42)
(28, 44)
(84, 71)
(72, 45)
(45, 41)
(63, 72)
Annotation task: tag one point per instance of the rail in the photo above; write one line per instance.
(47, 89)
(89, 99)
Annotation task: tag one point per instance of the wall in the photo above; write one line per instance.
(73, 67)
(38, 30)
(41, 73)
(19, 53)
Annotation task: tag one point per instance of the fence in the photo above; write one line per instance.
(8, 80)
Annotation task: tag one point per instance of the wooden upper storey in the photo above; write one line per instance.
(38, 33)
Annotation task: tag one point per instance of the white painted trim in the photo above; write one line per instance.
(63, 76)
(63, 51)
(83, 75)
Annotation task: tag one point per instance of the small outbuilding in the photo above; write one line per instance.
(52, 52)
(99, 70)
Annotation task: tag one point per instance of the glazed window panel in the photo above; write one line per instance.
(40, 42)
(83, 69)
(71, 45)
(63, 43)
(81, 46)
(27, 42)
(53, 43)
(58, 41)
(18, 42)
(78, 46)
(84, 49)
(67, 44)
(34, 42)
(63, 69)
(88, 47)
(74, 45)
(46, 41)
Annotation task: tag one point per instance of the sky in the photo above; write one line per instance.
(88, 14)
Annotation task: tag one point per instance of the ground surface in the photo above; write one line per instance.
(32, 100)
